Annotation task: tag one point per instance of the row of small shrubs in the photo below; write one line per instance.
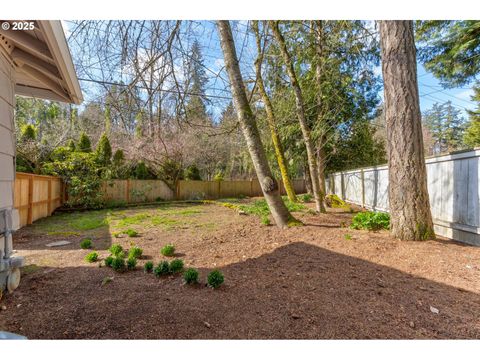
(117, 258)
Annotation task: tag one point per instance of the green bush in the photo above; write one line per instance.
(109, 261)
(215, 279)
(162, 269)
(84, 143)
(92, 257)
(118, 264)
(305, 198)
(86, 243)
(176, 266)
(148, 267)
(192, 173)
(131, 232)
(104, 150)
(135, 252)
(190, 276)
(168, 250)
(371, 220)
(265, 220)
(116, 249)
(131, 262)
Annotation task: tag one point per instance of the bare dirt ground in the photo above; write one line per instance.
(310, 282)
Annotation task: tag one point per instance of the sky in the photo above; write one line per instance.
(430, 89)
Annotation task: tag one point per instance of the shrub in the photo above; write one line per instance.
(148, 267)
(218, 176)
(135, 252)
(371, 220)
(334, 201)
(265, 220)
(118, 264)
(215, 279)
(116, 249)
(176, 266)
(192, 173)
(162, 269)
(84, 143)
(86, 243)
(104, 150)
(190, 276)
(29, 133)
(305, 197)
(109, 261)
(92, 257)
(131, 232)
(168, 250)
(141, 171)
(131, 262)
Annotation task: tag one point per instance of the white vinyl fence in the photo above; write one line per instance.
(453, 183)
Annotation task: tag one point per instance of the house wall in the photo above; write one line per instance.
(7, 153)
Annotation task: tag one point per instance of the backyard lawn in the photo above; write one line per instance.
(322, 280)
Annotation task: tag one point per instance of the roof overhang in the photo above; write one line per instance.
(42, 62)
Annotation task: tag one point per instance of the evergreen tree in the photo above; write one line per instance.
(84, 143)
(71, 145)
(29, 133)
(118, 157)
(446, 127)
(104, 150)
(141, 171)
(450, 50)
(197, 80)
(471, 137)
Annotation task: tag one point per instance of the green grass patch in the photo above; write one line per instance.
(260, 207)
(133, 220)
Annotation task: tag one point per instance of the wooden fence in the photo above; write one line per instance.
(36, 196)
(453, 187)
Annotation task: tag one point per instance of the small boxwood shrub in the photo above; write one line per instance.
(116, 249)
(371, 220)
(148, 267)
(92, 257)
(265, 220)
(190, 276)
(86, 243)
(109, 261)
(131, 262)
(135, 252)
(162, 269)
(118, 264)
(168, 250)
(131, 232)
(215, 279)
(176, 266)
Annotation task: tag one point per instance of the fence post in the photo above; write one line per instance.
(363, 187)
(342, 185)
(219, 189)
(30, 199)
(251, 187)
(49, 204)
(127, 192)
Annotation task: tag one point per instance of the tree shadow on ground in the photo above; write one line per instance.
(298, 291)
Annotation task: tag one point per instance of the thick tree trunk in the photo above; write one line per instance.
(411, 218)
(246, 119)
(277, 145)
(312, 163)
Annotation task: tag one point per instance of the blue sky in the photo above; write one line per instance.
(429, 87)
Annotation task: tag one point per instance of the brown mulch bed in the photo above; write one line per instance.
(307, 282)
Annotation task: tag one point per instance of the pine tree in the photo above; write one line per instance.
(118, 157)
(450, 49)
(71, 145)
(471, 137)
(84, 143)
(29, 133)
(141, 171)
(446, 127)
(192, 173)
(197, 79)
(104, 150)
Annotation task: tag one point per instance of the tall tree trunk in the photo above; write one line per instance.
(277, 145)
(317, 29)
(312, 163)
(411, 218)
(269, 185)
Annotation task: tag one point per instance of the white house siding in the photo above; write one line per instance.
(453, 187)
